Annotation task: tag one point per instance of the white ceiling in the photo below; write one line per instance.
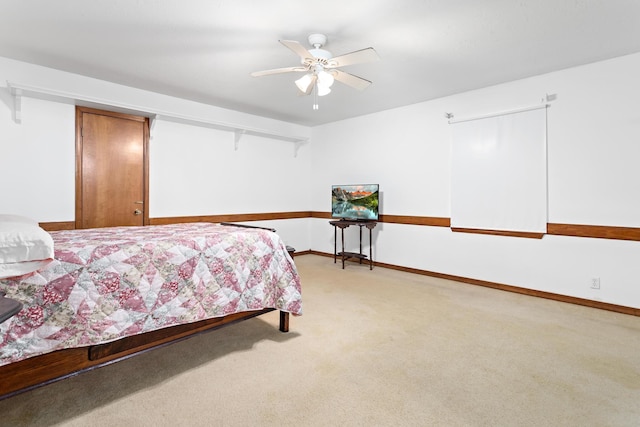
(205, 50)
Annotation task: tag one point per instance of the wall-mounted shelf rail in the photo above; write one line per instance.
(20, 90)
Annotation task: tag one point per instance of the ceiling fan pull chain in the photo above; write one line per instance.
(315, 97)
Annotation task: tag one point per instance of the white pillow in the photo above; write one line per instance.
(15, 269)
(24, 246)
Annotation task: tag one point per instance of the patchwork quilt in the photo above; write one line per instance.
(109, 283)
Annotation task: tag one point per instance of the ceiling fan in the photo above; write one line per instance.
(321, 67)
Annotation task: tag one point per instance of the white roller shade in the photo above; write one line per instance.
(499, 172)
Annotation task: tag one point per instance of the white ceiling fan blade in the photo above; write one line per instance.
(296, 47)
(351, 80)
(359, 56)
(277, 71)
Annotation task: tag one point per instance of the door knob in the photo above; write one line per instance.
(137, 212)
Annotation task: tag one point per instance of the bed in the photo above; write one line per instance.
(107, 294)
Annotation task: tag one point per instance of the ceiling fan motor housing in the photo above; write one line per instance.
(320, 53)
(317, 40)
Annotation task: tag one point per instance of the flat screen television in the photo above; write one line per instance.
(355, 202)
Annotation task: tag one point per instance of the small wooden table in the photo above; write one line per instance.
(344, 223)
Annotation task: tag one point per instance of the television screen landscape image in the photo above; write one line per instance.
(355, 202)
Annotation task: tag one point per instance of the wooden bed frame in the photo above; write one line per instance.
(36, 371)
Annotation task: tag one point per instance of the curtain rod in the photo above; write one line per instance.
(502, 113)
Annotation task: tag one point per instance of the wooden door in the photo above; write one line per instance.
(111, 170)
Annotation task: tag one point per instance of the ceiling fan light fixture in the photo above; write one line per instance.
(304, 82)
(325, 79)
(323, 90)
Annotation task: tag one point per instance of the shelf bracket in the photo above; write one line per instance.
(296, 147)
(153, 119)
(237, 134)
(17, 105)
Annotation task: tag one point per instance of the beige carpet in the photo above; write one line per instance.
(373, 348)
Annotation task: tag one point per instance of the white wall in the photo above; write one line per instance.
(193, 170)
(197, 171)
(594, 129)
(593, 152)
(37, 160)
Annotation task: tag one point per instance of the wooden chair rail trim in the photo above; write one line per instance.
(594, 231)
(267, 216)
(553, 229)
(57, 226)
(431, 221)
(499, 232)
(398, 219)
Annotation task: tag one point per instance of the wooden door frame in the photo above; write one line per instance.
(79, 112)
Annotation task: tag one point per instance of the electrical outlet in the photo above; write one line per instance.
(595, 283)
